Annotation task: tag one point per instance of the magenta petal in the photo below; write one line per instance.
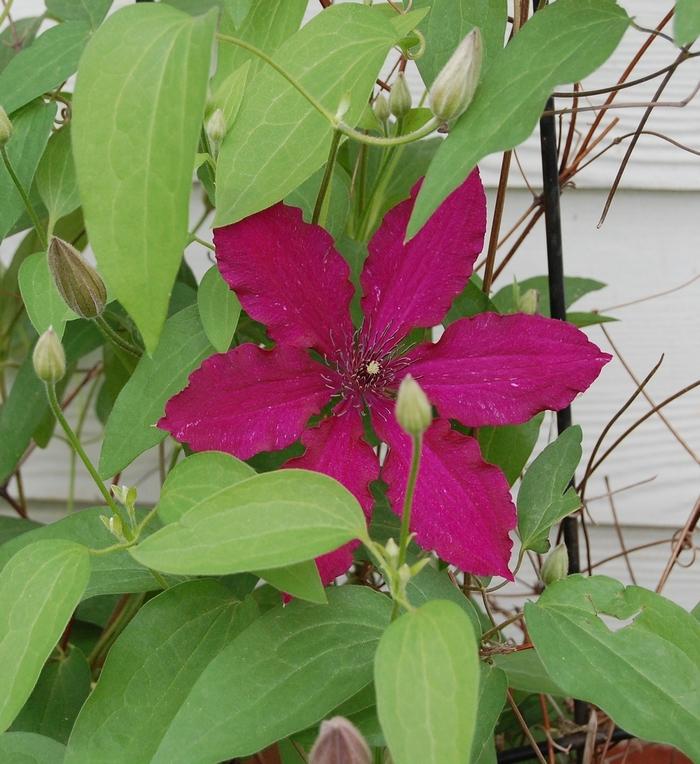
(337, 448)
(462, 508)
(413, 285)
(493, 369)
(247, 400)
(288, 275)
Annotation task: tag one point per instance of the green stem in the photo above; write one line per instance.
(398, 140)
(193, 237)
(405, 533)
(25, 198)
(115, 339)
(75, 445)
(131, 606)
(78, 432)
(327, 175)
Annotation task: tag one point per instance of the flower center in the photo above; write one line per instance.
(373, 368)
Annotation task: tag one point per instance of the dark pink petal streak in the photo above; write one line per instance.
(337, 448)
(462, 507)
(413, 285)
(247, 400)
(288, 276)
(493, 369)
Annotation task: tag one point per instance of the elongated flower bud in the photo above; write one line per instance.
(529, 302)
(454, 87)
(400, 100)
(339, 742)
(413, 410)
(216, 126)
(80, 284)
(49, 358)
(5, 127)
(382, 110)
(556, 566)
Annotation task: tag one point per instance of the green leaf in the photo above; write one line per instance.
(131, 426)
(55, 177)
(10, 527)
(588, 319)
(44, 65)
(28, 748)
(526, 673)
(136, 126)
(44, 304)
(92, 11)
(564, 42)
(337, 199)
(493, 686)
(510, 446)
(686, 22)
(26, 406)
(266, 26)
(471, 301)
(277, 142)
(219, 309)
(249, 696)
(268, 521)
(449, 22)
(632, 672)
(39, 590)
(30, 132)
(15, 37)
(63, 686)
(545, 497)
(575, 287)
(427, 681)
(151, 670)
(300, 580)
(229, 95)
(115, 573)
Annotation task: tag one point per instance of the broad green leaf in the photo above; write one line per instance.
(136, 125)
(493, 686)
(151, 670)
(26, 405)
(30, 132)
(510, 446)
(29, 748)
(300, 580)
(92, 11)
(426, 677)
(14, 526)
(544, 496)
(55, 177)
(449, 21)
(644, 674)
(219, 309)
(432, 584)
(526, 673)
(277, 142)
(229, 95)
(562, 43)
(575, 287)
(44, 65)
(686, 22)
(268, 521)
(17, 36)
(266, 26)
(115, 573)
(131, 426)
(191, 482)
(281, 675)
(39, 590)
(43, 302)
(469, 302)
(63, 686)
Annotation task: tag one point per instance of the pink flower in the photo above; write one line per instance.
(486, 370)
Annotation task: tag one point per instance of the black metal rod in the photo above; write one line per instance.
(576, 742)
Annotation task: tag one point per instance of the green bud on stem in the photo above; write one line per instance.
(80, 285)
(529, 302)
(556, 566)
(339, 742)
(400, 100)
(49, 357)
(216, 127)
(454, 87)
(413, 410)
(382, 110)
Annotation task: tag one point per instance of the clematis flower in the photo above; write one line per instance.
(487, 370)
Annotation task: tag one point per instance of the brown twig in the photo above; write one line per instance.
(525, 728)
(688, 530)
(618, 531)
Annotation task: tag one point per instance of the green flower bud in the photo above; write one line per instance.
(413, 410)
(339, 742)
(5, 127)
(49, 358)
(400, 100)
(454, 87)
(382, 110)
(556, 566)
(114, 525)
(216, 126)
(529, 302)
(391, 551)
(80, 284)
